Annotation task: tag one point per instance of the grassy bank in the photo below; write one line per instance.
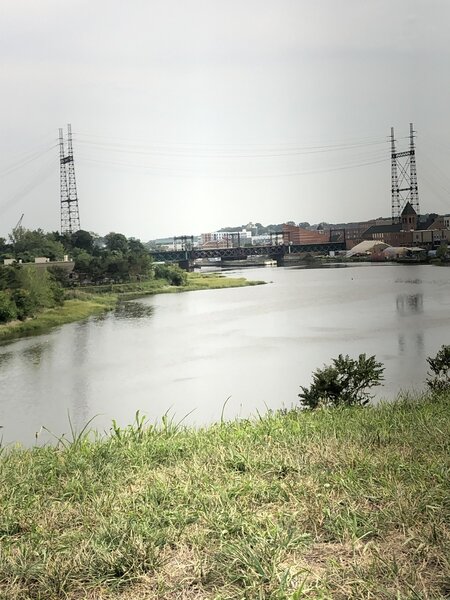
(196, 281)
(72, 310)
(341, 503)
(92, 300)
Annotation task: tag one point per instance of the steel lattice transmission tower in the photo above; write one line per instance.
(403, 177)
(70, 216)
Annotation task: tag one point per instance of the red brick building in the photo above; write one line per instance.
(300, 235)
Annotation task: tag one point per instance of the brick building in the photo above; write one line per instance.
(413, 230)
(300, 235)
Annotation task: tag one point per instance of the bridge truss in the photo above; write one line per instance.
(275, 252)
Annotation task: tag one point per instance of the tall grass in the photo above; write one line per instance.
(338, 503)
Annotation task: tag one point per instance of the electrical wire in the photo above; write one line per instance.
(201, 160)
(36, 180)
(190, 145)
(208, 152)
(179, 173)
(25, 160)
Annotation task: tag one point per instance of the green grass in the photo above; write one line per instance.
(84, 302)
(196, 281)
(333, 504)
(73, 309)
(203, 281)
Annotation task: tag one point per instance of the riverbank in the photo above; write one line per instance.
(340, 503)
(72, 310)
(82, 303)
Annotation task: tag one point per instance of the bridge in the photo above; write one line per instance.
(278, 252)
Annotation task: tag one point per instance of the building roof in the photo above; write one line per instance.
(408, 210)
(426, 221)
(393, 227)
(366, 247)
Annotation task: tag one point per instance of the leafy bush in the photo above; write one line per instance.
(344, 383)
(439, 378)
(26, 306)
(8, 310)
(173, 274)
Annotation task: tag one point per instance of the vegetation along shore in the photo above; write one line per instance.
(79, 304)
(35, 296)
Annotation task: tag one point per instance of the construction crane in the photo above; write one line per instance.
(16, 229)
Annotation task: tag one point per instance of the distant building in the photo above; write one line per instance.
(292, 234)
(413, 230)
(261, 240)
(225, 239)
(42, 262)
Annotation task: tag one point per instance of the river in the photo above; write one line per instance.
(234, 352)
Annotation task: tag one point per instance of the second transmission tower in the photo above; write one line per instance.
(70, 216)
(403, 177)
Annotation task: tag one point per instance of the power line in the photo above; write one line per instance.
(39, 177)
(158, 169)
(208, 152)
(25, 160)
(144, 143)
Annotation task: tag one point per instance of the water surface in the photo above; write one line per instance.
(249, 348)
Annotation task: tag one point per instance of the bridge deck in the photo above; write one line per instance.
(275, 252)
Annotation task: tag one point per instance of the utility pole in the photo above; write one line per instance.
(70, 216)
(403, 173)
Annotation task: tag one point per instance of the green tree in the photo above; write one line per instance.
(60, 275)
(117, 268)
(82, 261)
(140, 262)
(28, 244)
(10, 277)
(4, 246)
(83, 240)
(345, 382)
(116, 242)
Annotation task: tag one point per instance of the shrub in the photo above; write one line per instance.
(25, 304)
(173, 274)
(345, 382)
(8, 310)
(439, 378)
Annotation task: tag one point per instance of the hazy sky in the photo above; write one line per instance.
(190, 115)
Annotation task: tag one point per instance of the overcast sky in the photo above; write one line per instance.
(191, 115)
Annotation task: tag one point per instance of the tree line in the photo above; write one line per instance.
(114, 258)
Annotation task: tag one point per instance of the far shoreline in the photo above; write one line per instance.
(82, 303)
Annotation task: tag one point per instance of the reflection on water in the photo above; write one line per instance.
(5, 357)
(34, 354)
(409, 303)
(315, 265)
(132, 311)
(186, 354)
(414, 342)
(411, 339)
